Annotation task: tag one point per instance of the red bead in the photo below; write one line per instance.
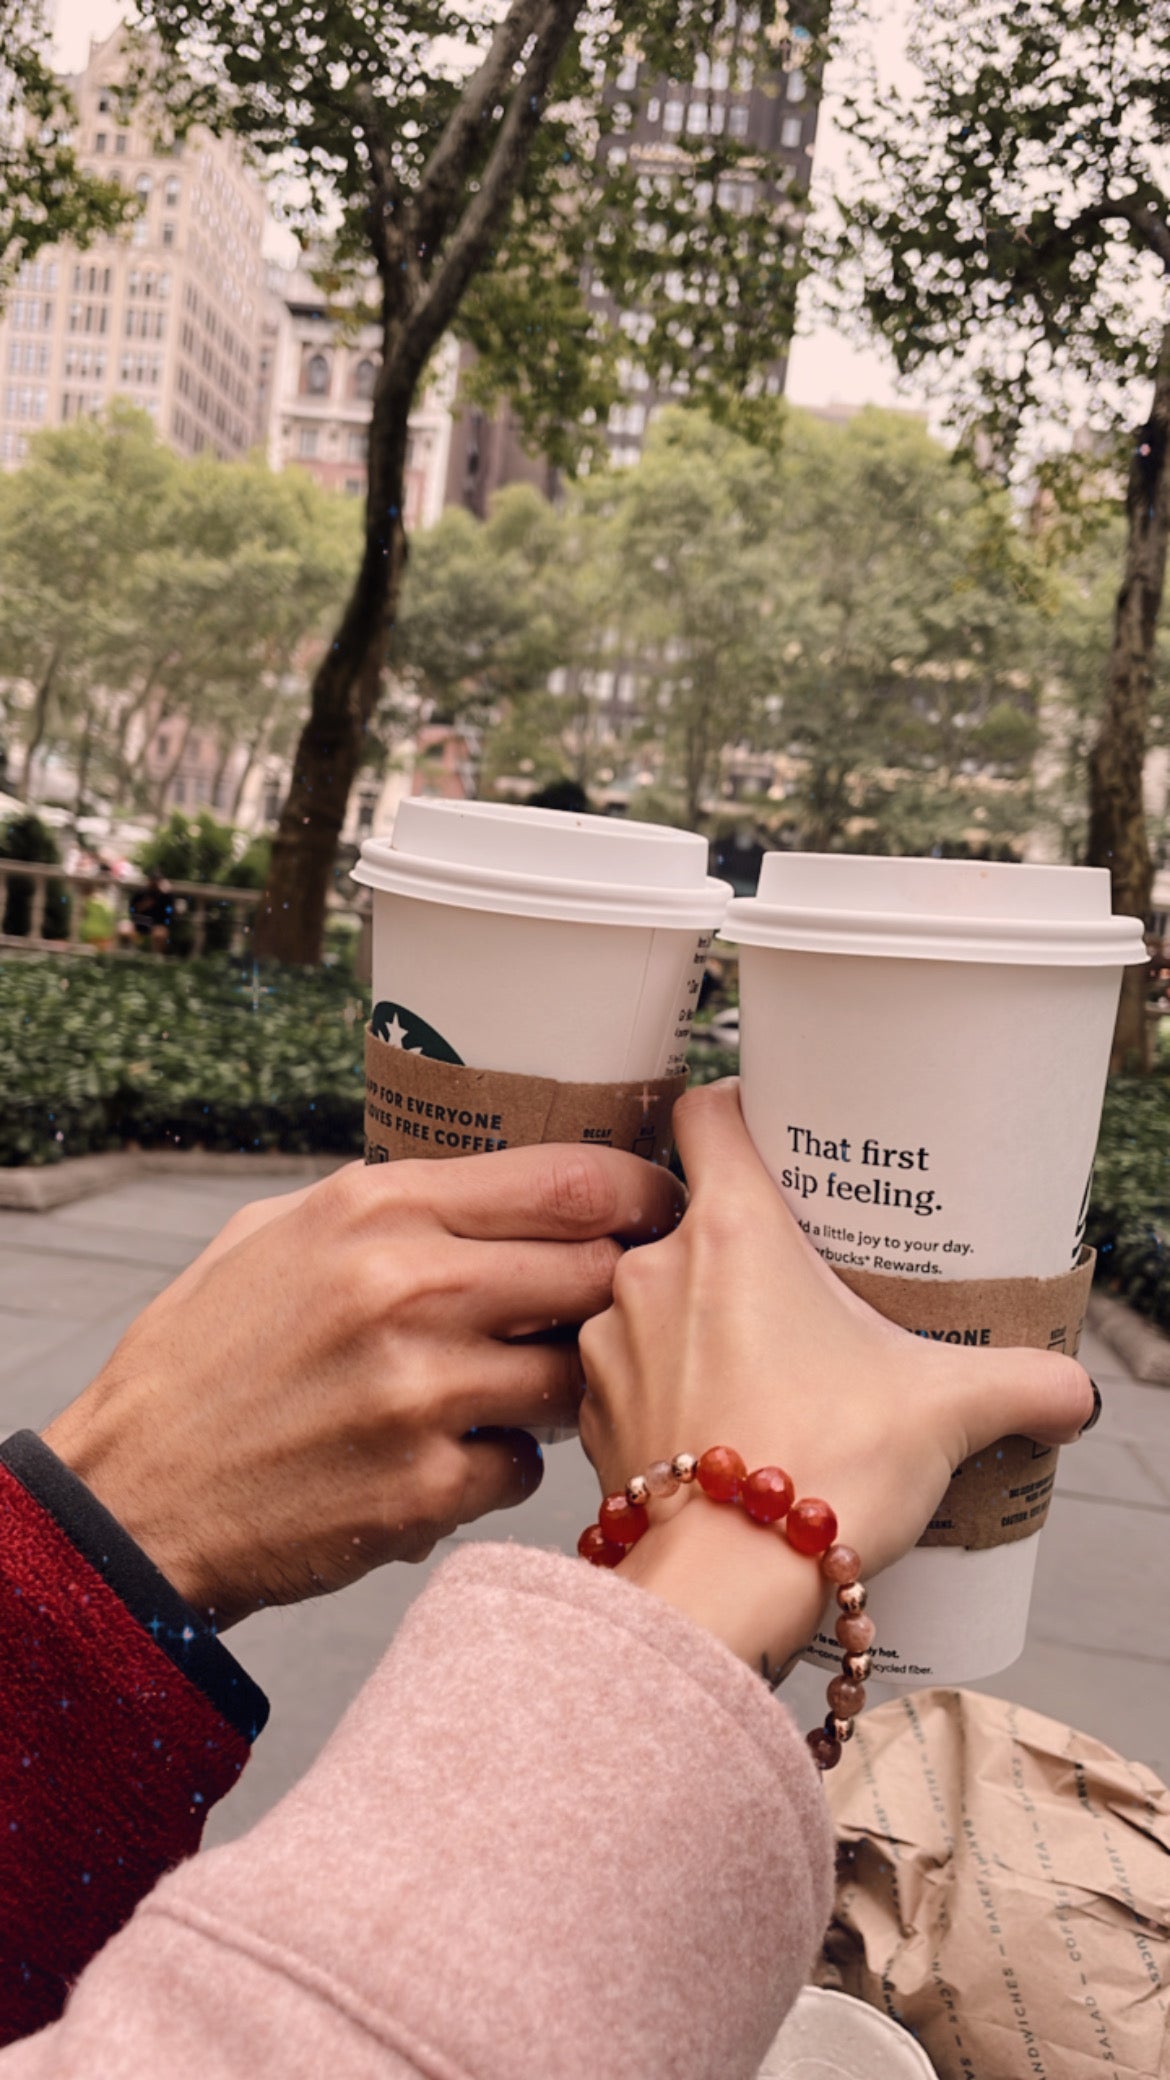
(845, 1697)
(856, 1635)
(622, 1522)
(722, 1473)
(594, 1546)
(767, 1494)
(811, 1526)
(826, 1752)
(841, 1564)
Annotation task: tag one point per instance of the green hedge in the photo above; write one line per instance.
(1129, 1219)
(97, 1053)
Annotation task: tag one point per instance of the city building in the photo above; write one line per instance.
(167, 313)
(318, 374)
(646, 117)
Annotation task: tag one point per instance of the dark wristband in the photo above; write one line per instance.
(179, 1631)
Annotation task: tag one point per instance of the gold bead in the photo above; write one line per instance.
(684, 1466)
(857, 1666)
(637, 1491)
(840, 1729)
(852, 1598)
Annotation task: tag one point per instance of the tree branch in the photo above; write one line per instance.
(445, 174)
(488, 207)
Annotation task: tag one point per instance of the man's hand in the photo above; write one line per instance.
(336, 1381)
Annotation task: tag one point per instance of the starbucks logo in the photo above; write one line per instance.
(399, 1027)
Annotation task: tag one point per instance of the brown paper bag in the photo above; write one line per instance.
(1003, 1891)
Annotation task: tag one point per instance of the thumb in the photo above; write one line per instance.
(1025, 1393)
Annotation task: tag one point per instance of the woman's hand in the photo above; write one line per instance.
(733, 1331)
(298, 1407)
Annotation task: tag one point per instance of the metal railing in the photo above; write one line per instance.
(196, 903)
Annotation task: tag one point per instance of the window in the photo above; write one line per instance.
(120, 143)
(171, 192)
(795, 88)
(168, 233)
(142, 187)
(179, 790)
(672, 119)
(738, 124)
(367, 808)
(317, 376)
(791, 132)
(357, 446)
(99, 143)
(164, 286)
(103, 104)
(697, 118)
(363, 378)
(140, 233)
(307, 441)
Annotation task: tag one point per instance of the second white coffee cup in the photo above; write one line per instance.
(924, 1046)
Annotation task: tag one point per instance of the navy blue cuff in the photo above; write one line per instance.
(147, 1594)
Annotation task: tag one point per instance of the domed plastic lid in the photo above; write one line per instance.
(546, 863)
(937, 910)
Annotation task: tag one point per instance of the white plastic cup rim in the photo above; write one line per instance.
(936, 910)
(494, 857)
(1110, 942)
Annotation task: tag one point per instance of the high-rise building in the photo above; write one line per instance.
(167, 313)
(646, 117)
(317, 376)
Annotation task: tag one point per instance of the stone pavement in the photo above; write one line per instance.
(1099, 1650)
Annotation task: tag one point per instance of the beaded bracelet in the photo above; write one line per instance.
(810, 1527)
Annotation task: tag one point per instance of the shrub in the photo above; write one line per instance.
(98, 1052)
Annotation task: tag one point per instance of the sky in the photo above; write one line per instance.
(824, 367)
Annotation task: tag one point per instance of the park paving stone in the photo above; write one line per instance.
(1098, 1656)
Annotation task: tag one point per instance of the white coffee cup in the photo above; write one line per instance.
(540, 942)
(831, 2036)
(924, 1047)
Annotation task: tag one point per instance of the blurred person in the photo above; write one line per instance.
(151, 910)
(564, 1823)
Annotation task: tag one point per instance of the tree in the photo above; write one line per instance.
(136, 588)
(458, 158)
(693, 588)
(907, 628)
(1014, 228)
(45, 193)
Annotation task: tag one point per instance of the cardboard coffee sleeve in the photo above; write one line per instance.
(417, 1107)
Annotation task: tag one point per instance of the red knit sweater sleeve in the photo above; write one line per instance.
(118, 1731)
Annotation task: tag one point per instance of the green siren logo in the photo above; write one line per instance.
(398, 1027)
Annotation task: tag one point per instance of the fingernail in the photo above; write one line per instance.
(1096, 1408)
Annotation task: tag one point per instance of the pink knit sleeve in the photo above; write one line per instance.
(560, 1833)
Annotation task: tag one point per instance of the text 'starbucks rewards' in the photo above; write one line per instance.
(924, 1046)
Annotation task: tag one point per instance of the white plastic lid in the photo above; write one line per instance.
(545, 863)
(936, 910)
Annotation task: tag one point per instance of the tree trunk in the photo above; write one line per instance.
(289, 921)
(159, 791)
(1117, 823)
(40, 722)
